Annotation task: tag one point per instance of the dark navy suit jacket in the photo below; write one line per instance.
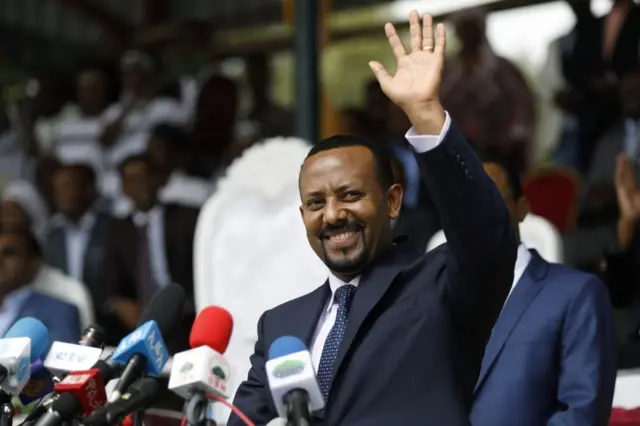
(419, 322)
(62, 319)
(551, 357)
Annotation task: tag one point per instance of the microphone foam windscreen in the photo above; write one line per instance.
(212, 328)
(286, 345)
(35, 330)
(165, 308)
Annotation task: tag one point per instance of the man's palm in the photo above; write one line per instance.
(418, 75)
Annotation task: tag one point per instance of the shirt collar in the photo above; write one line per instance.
(335, 283)
(85, 224)
(143, 218)
(524, 257)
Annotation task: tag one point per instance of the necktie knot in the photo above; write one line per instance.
(344, 296)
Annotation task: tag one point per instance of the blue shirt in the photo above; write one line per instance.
(11, 307)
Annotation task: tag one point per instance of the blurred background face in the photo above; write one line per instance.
(16, 262)
(630, 95)
(134, 79)
(13, 218)
(518, 208)
(470, 29)
(73, 192)
(159, 153)
(139, 184)
(258, 75)
(91, 92)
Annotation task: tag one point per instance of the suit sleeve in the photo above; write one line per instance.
(481, 243)
(253, 397)
(588, 366)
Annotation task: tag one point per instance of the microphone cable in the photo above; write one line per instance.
(236, 410)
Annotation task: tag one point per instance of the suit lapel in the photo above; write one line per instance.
(94, 243)
(306, 319)
(523, 294)
(374, 284)
(59, 244)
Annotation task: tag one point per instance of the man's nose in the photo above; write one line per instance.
(334, 212)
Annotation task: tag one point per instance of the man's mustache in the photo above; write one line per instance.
(340, 227)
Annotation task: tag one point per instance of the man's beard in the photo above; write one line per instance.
(348, 265)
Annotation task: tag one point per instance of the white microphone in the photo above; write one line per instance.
(24, 343)
(203, 370)
(64, 358)
(278, 421)
(292, 380)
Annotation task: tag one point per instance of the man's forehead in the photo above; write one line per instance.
(351, 162)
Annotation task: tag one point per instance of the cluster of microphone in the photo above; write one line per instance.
(68, 382)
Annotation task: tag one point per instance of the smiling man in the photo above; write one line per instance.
(396, 336)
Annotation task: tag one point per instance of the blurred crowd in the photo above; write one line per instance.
(102, 180)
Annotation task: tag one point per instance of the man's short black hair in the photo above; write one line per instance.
(137, 158)
(380, 153)
(176, 138)
(513, 177)
(87, 171)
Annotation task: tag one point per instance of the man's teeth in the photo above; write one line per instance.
(342, 236)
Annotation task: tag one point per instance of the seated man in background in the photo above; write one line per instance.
(77, 236)
(551, 356)
(147, 250)
(20, 267)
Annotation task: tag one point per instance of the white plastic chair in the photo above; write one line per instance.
(536, 233)
(251, 252)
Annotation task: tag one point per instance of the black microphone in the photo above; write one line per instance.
(93, 336)
(144, 350)
(139, 396)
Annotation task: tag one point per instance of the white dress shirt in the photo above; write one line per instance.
(421, 143)
(522, 261)
(154, 220)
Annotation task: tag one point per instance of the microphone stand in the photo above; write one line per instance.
(137, 417)
(6, 414)
(196, 411)
(297, 403)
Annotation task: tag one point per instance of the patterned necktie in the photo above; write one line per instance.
(144, 276)
(344, 296)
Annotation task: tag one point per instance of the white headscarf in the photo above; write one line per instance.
(28, 197)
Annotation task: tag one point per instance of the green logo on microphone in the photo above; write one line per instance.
(288, 368)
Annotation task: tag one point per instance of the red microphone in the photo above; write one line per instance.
(88, 388)
(203, 369)
(212, 328)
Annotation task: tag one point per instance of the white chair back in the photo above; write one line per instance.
(251, 250)
(536, 233)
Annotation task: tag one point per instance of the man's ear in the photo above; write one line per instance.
(394, 200)
(522, 208)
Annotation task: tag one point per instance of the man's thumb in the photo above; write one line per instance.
(380, 72)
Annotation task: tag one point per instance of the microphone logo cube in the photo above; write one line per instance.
(66, 357)
(15, 354)
(293, 371)
(147, 341)
(200, 370)
(87, 386)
